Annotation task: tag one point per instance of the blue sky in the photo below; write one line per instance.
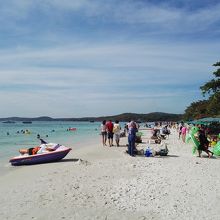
(94, 58)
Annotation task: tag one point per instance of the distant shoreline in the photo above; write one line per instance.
(150, 117)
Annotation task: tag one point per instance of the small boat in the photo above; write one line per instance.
(8, 122)
(47, 157)
(72, 129)
(27, 122)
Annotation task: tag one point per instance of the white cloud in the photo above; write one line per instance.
(141, 59)
(163, 17)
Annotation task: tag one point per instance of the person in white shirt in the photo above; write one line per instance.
(104, 132)
(117, 131)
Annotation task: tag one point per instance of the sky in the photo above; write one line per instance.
(105, 57)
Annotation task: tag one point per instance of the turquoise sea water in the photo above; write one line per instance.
(12, 138)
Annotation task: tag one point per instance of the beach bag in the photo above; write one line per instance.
(148, 152)
(163, 152)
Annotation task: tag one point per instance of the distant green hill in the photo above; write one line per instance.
(150, 117)
(43, 118)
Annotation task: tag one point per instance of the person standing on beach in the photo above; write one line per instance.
(203, 143)
(131, 138)
(117, 131)
(109, 126)
(180, 129)
(183, 133)
(104, 132)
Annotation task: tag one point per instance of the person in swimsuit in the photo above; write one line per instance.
(34, 150)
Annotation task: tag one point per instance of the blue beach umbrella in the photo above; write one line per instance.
(210, 119)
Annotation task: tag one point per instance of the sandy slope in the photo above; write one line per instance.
(108, 184)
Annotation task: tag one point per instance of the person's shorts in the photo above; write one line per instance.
(117, 136)
(30, 151)
(104, 133)
(110, 135)
(202, 147)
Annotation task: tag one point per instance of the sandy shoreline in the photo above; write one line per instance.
(108, 184)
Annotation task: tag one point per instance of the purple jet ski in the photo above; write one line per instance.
(43, 157)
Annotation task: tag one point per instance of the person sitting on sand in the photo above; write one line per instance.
(165, 130)
(155, 133)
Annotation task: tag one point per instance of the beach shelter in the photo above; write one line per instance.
(209, 119)
(198, 122)
(206, 121)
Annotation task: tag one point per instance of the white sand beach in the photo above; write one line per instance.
(96, 182)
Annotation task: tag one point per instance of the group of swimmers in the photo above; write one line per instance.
(21, 132)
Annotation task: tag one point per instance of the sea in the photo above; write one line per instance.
(14, 136)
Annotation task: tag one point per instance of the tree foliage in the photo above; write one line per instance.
(212, 87)
(211, 106)
(196, 110)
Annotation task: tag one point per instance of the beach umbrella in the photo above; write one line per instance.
(210, 119)
(206, 121)
(200, 122)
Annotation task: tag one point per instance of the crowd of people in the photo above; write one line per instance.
(112, 131)
(204, 139)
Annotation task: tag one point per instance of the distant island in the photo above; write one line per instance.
(150, 117)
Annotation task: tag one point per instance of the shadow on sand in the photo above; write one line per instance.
(206, 157)
(157, 156)
(69, 160)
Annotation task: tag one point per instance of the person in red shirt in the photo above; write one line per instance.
(109, 126)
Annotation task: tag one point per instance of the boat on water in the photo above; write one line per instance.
(8, 122)
(46, 157)
(72, 129)
(27, 122)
